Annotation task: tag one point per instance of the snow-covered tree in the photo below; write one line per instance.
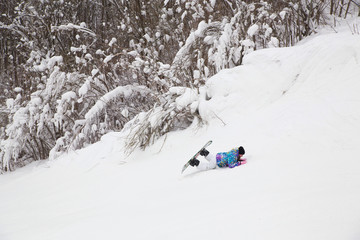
(72, 70)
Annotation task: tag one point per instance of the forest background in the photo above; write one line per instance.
(72, 71)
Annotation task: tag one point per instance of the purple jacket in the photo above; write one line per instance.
(228, 159)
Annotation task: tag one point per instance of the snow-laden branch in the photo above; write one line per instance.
(70, 26)
(13, 28)
(123, 91)
(178, 111)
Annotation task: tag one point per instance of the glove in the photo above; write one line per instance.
(204, 152)
(194, 162)
(243, 161)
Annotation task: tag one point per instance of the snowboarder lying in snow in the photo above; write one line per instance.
(223, 159)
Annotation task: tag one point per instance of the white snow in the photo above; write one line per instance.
(295, 110)
(125, 112)
(283, 14)
(186, 98)
(18, 89)
(148, 38)
(69, 27)
(99, 52)
(201, 27)
(113, 40)
(124, 91)
(253, 30)
(197, 74)
(76, 49)
(68, 96)
(274, 42)
(10, 103)
(85, 87)
(108, 58)
(48, 63)
(94, 72)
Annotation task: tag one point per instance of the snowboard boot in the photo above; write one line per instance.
(194, 162)
(204, 152)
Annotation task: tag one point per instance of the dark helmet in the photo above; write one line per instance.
(241, 150)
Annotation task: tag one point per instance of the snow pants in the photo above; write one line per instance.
(211, 164)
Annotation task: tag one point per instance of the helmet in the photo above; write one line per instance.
(241, 150)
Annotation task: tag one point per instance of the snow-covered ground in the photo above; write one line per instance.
(295, 110)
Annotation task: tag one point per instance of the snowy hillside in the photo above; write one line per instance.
(295, 110)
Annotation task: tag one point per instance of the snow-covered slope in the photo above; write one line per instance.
(295, 110)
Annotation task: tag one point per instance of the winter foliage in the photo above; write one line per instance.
(72, 71)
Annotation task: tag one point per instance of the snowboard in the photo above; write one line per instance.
(196, 155)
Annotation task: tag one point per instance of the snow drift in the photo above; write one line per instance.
(295, 110)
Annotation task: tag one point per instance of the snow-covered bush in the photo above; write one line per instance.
(177, 110)
(73, 71)
(32, 131)
(109, 113)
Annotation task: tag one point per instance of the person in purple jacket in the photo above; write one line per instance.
(230, 159)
